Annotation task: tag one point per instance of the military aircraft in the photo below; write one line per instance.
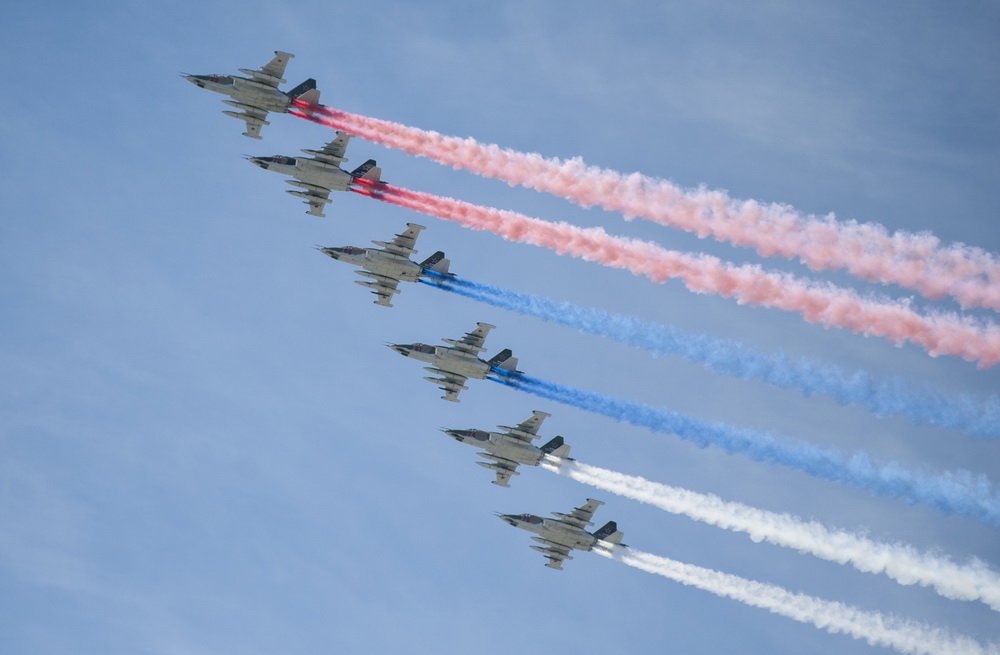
(507, 449)
(321, 174)
(390, 265)
(459, 361)
(566, 532)
(258, 94)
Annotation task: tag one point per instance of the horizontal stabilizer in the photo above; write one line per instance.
(557, 448)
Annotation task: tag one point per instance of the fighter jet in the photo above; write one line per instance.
(459, 361)
(321, 174)
(258, 94)
(390, 265)
(505, 450)
(566, 532)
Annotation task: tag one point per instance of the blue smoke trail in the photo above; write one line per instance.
(883, 397)
(952, 492)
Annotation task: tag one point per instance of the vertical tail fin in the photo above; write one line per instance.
(556, 447)
(609, 532)
(504, 360)
(437, 263)
(306, 92)
(368, 171)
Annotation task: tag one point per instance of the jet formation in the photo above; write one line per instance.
(506, 450)
(388, 264)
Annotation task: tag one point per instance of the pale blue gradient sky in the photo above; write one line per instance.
(206, 448)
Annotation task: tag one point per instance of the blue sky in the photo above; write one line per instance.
(206, 447)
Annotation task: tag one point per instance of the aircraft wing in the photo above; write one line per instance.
(317, 197)
(555, 552)
(450, 383)
(273, 72)
(527, 429)
(580, 516)
(383, 286)
(472, 342)
(253, 116)
(503, 467)
(333, 151)
(255, 119)
(403, 244)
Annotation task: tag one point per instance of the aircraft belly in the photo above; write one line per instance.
(559, 539)
(268, 100)
(335, 180)
(515, 453)
(476, 369)
(389, 269)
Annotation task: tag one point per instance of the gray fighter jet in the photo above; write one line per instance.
(391, 264)
(566, 532)
(505, 450)
(258, 94)
(459, 361)
(320, 174)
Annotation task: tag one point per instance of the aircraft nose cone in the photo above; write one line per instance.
(455, 434)
(508, 519)
(402, 350)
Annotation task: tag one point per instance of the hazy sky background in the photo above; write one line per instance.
(206, 446)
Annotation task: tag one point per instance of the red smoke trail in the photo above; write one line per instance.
(818, 303)
(869, 251)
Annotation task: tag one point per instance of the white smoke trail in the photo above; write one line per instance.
(903, 563)
(906, 636)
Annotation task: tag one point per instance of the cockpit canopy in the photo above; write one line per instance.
(352, 250)
(423, 348)
(531, 518)
(217, 79)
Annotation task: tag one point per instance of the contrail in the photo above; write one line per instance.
(903, 563)
(882, 396)
(952, 492)
(917, 261)
(906, 636)
(818, 303)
